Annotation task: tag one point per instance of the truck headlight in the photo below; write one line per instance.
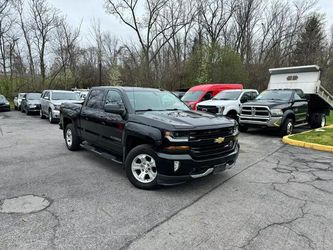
(176, 136)
(276, 112)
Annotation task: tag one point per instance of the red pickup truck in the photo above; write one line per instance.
(206, 92)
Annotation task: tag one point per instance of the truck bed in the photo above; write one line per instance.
(306, 78)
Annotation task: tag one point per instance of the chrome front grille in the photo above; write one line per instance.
(255, 113)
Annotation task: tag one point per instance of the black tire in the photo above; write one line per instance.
(146, 150)
(287, 127)
(51, 119)
(242, 128)
(317, 120)
(15, 107)
(41, 115)
(74, 143)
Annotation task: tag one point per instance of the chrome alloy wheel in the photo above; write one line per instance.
(69, 137)
(144, 168)
(290, 128)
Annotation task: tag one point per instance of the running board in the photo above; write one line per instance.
(300, 125)
(102, 153)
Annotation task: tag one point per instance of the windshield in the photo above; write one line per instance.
(227, 95)
(283, 95)
(2, 98)
(154, 100)
(65, 96)
(33, 96)
(191, 96)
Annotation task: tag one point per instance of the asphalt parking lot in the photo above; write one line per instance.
(276, 197)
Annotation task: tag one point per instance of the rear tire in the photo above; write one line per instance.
(41, 115)
(72, 140)
(317, 120)
(287, 127)
(141, 167)
(51, 119)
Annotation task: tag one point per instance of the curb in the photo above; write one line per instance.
(310, 145)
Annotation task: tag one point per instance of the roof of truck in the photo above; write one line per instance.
(297, 69)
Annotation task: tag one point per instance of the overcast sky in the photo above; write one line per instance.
(86, 11)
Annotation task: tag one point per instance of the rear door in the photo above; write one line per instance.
(91, 114)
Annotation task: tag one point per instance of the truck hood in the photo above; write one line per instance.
(218, 103)
(268, 103)
(183, 120)
(59, 102)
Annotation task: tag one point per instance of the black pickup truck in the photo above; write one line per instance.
(283, 109)
(154, 135)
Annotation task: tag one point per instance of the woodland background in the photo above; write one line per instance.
(178, 43)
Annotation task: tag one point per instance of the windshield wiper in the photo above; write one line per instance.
(143, 110)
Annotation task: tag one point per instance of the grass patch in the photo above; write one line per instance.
(323, 136)
(329, 119)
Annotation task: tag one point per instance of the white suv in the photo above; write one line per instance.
(228, 102)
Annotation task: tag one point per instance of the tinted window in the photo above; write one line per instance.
(95, 100)
(253, 95)
(46, 95)
(227, 95)
(113, 97)
(246, 97)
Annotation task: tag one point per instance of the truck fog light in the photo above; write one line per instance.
(176, 165)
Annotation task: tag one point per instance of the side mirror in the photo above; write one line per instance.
(115, 109)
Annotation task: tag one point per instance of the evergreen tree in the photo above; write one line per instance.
(310, 47)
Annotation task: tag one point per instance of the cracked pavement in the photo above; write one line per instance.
(276, 197)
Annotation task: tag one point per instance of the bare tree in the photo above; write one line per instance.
(25, 25)
(150, 27)
(45, 20)
(215, 16)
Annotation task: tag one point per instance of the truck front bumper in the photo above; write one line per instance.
(190, 168)
(250, 121)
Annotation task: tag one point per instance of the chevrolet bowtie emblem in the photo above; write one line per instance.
(219, 140)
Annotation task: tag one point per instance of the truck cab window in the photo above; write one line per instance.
(95, 100)
(113, 97)
(207, 96)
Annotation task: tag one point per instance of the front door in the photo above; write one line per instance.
(300, 108)
(112, 125)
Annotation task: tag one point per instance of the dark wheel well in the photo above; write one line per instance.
(291, 116)
(133, 141)
(232, 113)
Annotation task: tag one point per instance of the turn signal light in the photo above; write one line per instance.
(177, 148)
